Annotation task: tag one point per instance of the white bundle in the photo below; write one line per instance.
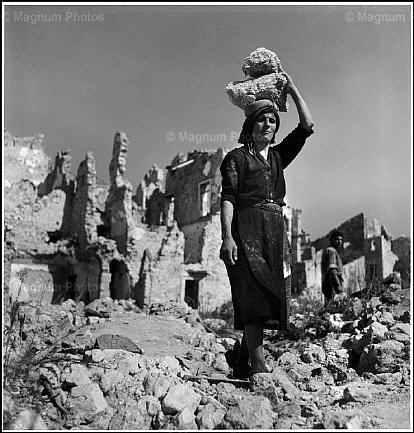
(265, 81)
(272, 86)
(261, 62)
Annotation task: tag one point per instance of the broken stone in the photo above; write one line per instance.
(354, 420)
(157, 385)
(310, 410)
(388, 378)
(28, 420)
(132, 416)
(313, 354)
(185, 419)
(86, 401)
(51, 373)
(110, 379)
(402, 327)
(282, 380)
(78, 375)
(95, 355)
(179, 397)
(262, 384)
(170, 363)
(111, 341)
(357, 392)
(249, 412)
(289, 409)
(220, 363)
(381, 358)
(210, 416)
(287, 359)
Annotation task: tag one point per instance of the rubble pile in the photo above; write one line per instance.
(335, 360)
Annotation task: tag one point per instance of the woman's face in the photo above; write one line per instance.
(264, 127)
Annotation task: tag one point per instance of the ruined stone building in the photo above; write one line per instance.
(80, 238)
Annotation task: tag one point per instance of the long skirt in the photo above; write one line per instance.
(260, 280)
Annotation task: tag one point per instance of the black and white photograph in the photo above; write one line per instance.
(207, 216)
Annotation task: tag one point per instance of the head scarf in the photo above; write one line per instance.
(252, 112)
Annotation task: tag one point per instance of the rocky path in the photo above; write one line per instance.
(69, 383)
(165, 336)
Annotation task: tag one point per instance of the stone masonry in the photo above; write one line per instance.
(89, 240)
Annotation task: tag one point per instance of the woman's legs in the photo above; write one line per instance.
(254, 340)
(241, 368)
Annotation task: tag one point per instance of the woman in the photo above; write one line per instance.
(255, 246)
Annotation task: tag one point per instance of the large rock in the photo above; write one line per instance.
(313, 354)
(351, 420)
(262, 384)
(28, 420)
(282, 380)
(110, 379)
(381, 358)
(111, 341)
(86, 401)
(78, 375)
(250, 412)
(210, 416)
(157, 385)
(179, 397)
(185, 419)
(135, 415)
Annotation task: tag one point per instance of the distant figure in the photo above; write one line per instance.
(332, 280)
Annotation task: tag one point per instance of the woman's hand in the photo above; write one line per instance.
(290, 85)
(228, 251)
(305, 117)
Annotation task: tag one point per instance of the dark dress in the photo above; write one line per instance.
(260, 279)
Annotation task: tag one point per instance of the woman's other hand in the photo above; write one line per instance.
(228, 251)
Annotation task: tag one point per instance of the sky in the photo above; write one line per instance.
(79, 73)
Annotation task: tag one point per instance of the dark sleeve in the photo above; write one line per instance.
(292, 144)
(230, 174)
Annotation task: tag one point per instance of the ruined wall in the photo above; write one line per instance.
(24, 158)
(380, 259)
(215, 288)
(83, 223)
(40, 278)
(166, 268)
(33, 223)
(60, 176)
(193, 209)
(293, 225)
(183, 179)
(118, 206)
(354, 275)
(88, 280)
(193, 241)
(150, 198)
(402, 248)
(155, 209)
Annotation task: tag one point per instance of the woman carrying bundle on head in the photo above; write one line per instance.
(255, 245)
